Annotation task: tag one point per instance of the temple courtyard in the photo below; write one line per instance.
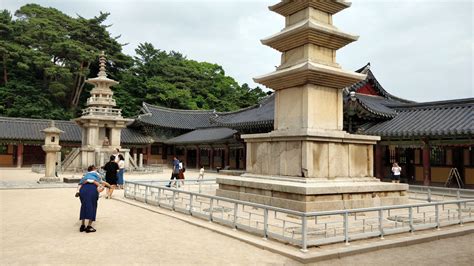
(39, 225)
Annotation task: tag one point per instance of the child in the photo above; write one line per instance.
(91, 177)
(201, 174)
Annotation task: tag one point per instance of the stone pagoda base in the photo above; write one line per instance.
(313, 194)
(311, 170)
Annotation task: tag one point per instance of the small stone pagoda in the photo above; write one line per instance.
(51, 147)
(308, 162)
(101, 122)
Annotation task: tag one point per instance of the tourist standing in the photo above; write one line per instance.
(116, 155)
(201, 174)
(121, 165)
(396, 172)
(89, 195)
(181, 173)
(111, 168)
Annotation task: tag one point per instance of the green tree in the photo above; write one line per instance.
(169, 79)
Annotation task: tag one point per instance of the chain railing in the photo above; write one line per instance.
(299, 228)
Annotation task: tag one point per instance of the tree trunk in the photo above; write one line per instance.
(78, 86)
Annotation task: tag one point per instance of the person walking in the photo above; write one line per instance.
(121, 165)
(111, 168)
(89, 195)
(396, 172)
(174, 172)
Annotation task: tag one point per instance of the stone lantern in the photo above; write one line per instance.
(51, 147)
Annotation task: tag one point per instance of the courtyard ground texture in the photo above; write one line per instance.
(40, 226)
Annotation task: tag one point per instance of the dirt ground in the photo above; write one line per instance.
(40, 226)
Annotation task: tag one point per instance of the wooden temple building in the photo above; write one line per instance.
(427, 139)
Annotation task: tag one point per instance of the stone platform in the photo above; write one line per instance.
(312, 194)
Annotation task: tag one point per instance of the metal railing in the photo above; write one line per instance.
(304, 229)
(439, 193)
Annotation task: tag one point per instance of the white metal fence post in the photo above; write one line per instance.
(304, 236)
(265, 223)
(346, 227)
(381, 223)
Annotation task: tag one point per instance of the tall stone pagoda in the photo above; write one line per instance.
(308, 162)
(101, 122)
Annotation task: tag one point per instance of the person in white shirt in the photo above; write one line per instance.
(121, 165)
(396, 172)
(181, 174)
(201, 174)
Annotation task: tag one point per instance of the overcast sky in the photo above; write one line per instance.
(418, 50)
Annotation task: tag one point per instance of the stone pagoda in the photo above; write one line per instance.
(51, 147)
(308, 162)
(101, 122)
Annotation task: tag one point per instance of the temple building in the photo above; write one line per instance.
(427, 139)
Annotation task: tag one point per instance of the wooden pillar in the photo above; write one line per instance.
(148, 154)
(185, 160)
(378, 161)
(164, 151)
(19, 155)
(426, 164)
(226, 155)
(198, 157)
(211, 158)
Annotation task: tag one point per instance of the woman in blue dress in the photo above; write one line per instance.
(89, 195)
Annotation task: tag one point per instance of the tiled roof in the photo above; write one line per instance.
(175, 118)
(445, 118)
(375, 83)
(375, 104)
(133, 136)
(203, 135)
(261, 114)
(28, 129)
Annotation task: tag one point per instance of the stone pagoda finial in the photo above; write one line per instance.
(102, 61)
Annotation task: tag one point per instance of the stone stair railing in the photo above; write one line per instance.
(69, 159)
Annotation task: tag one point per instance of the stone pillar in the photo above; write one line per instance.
(379, 153)
(115, 137)
(19, 155)
(135, 157)
(426, 164)
(102, 159)
(58, 160)
(127, 159)
(140, 160)
(244, 159)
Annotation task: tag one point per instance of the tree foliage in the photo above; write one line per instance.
(47, 55)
